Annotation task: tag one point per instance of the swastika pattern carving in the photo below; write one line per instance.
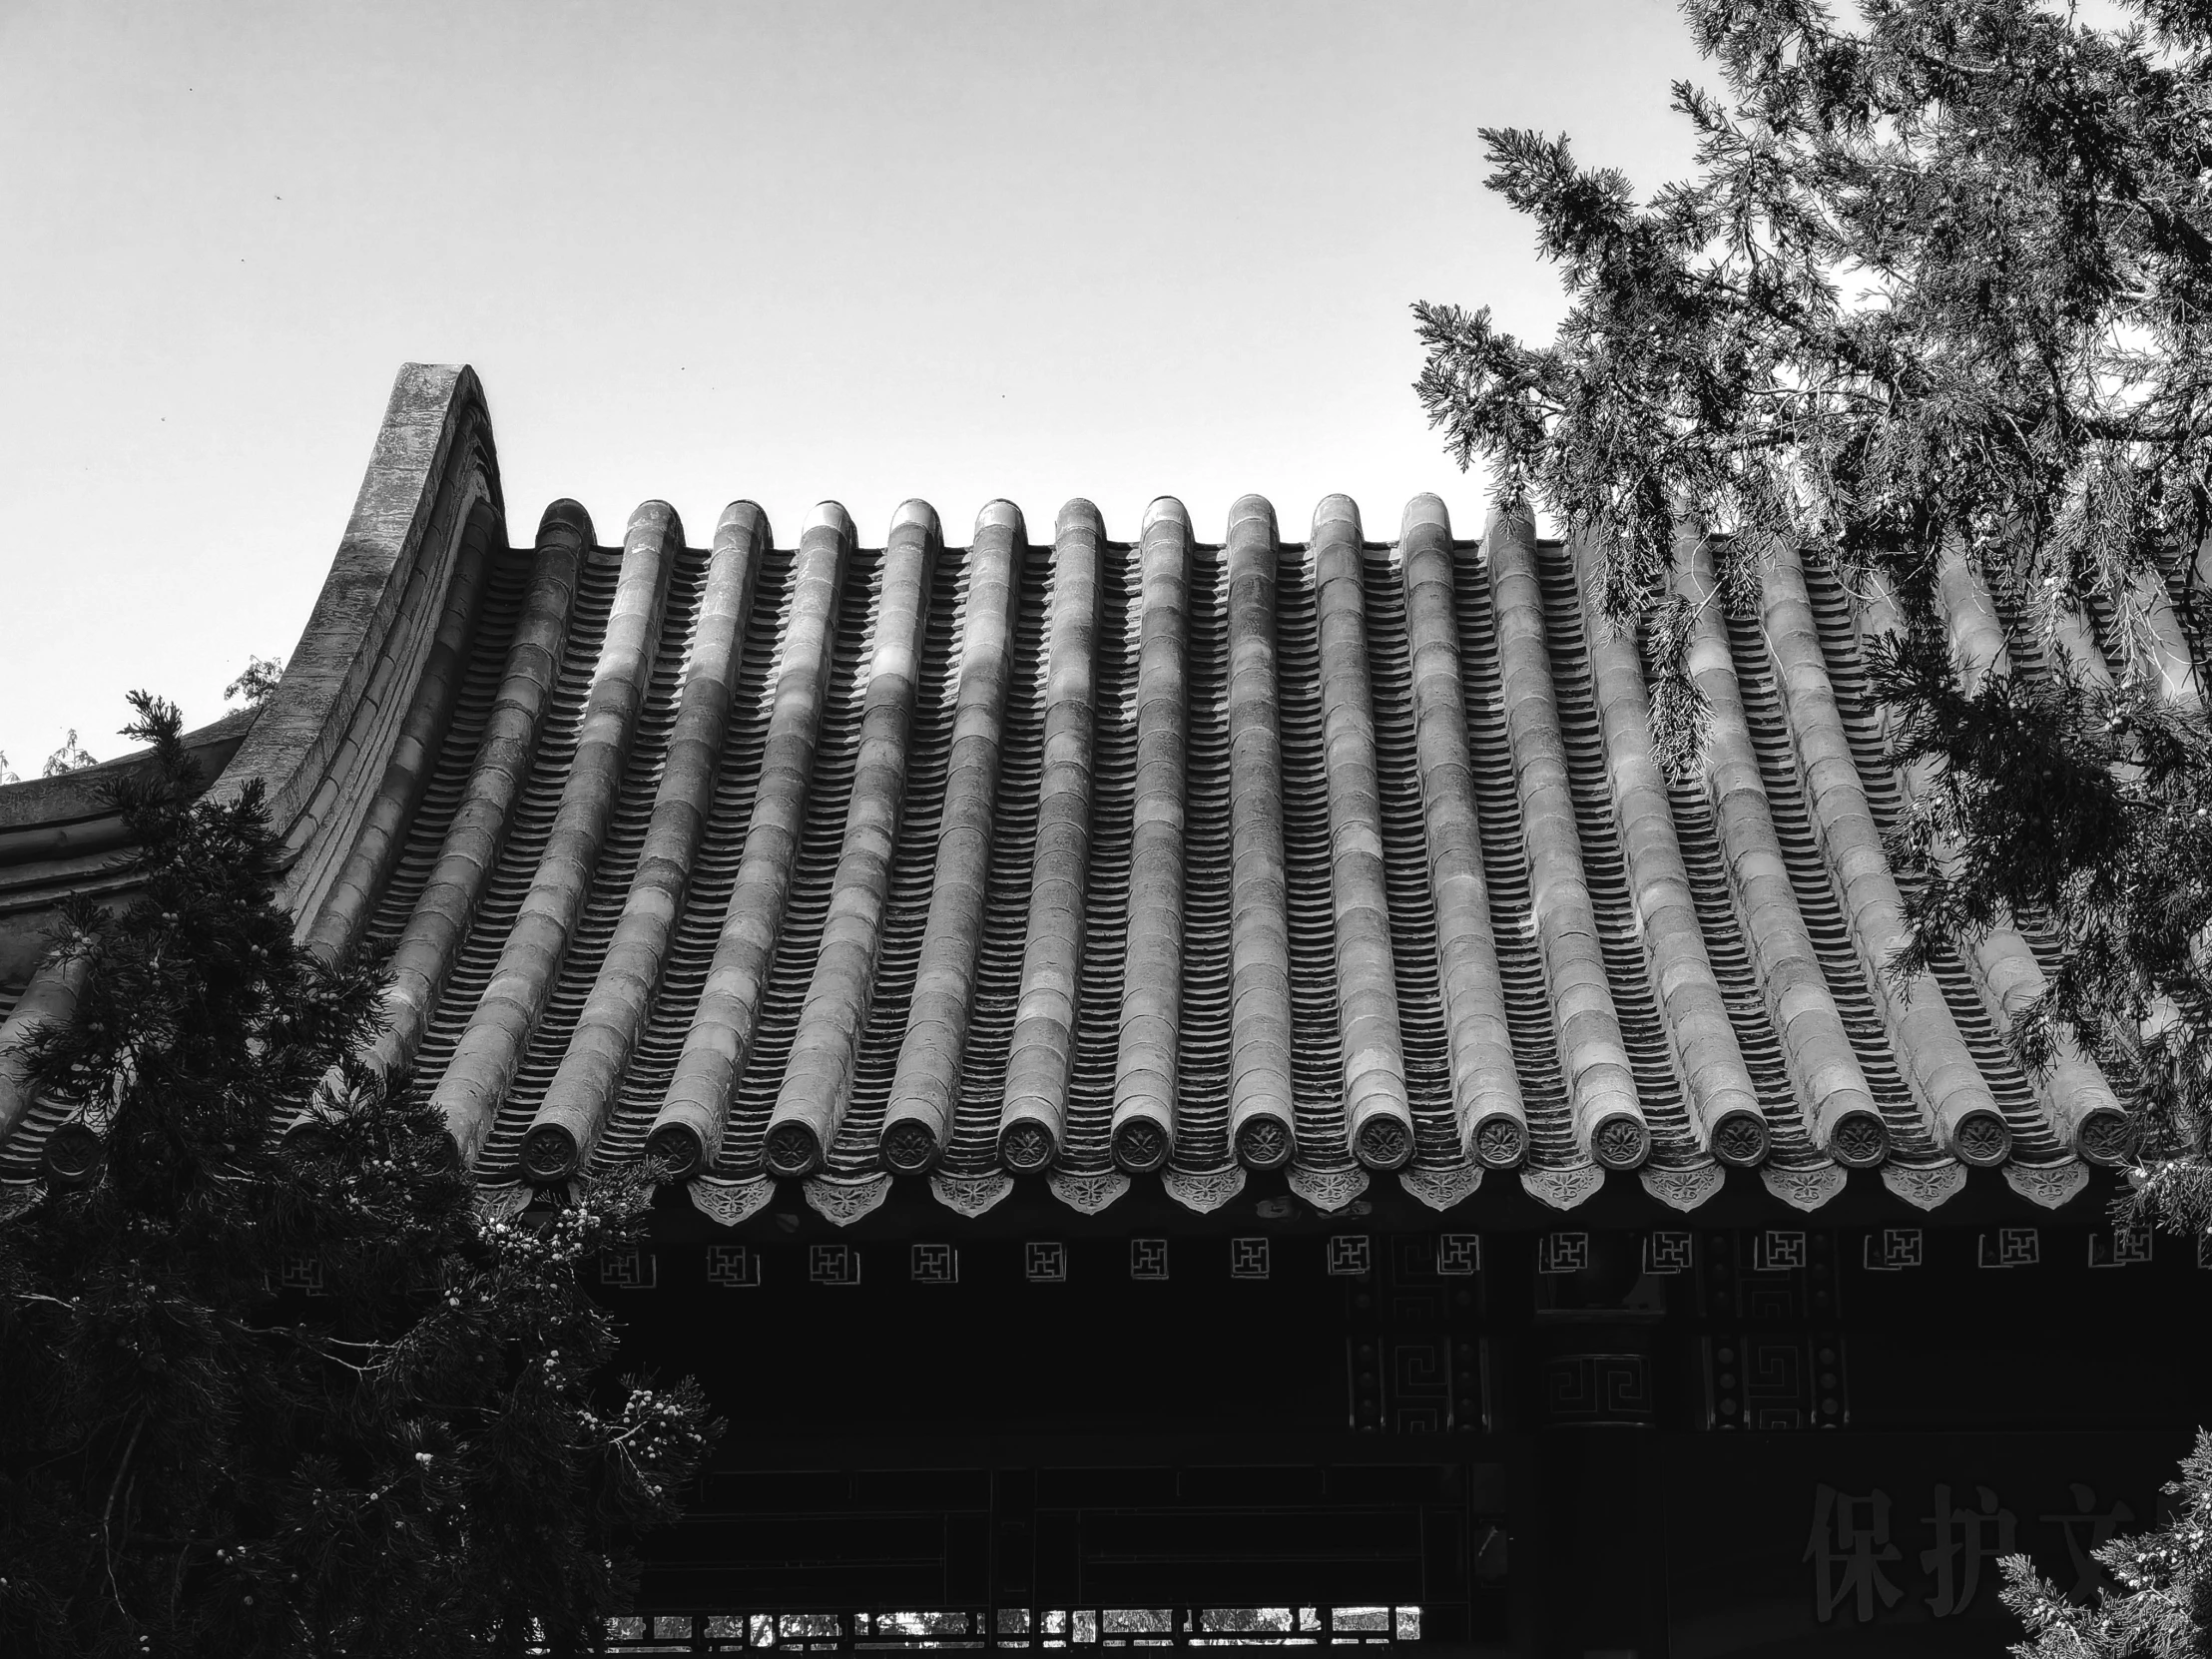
(1668, 1251)
(1563, 1253)
(1458, 1255)
(734, 1266)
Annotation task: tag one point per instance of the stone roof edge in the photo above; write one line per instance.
(73, 796)
(320, 744)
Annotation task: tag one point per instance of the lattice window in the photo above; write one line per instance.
(629, 1270)
(1248, 1258)
(935, 1263)
(1148, 1257)
(1059, 1628)
(1045, 1262)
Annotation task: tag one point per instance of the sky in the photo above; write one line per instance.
(786, 253)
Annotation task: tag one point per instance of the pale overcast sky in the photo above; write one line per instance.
(784, 252)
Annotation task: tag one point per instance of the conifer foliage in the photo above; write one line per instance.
(1937, 299)
(2163, 1605)
(271, 1394)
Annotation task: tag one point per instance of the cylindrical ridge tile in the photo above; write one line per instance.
(415, 753)
(1957, 1100)
(2084, 1111)
(1262, 1123)
(2159, 649)
(927, 1082)
(1033, 1116)
(686, 1131)
(1379, 1114)
(49, 1000)
(1608, 1117)
(439, 922)
(1143, 1133)
(491, 1045)
(1839, 1108)
(1485, 1088)
(817, 1079)
(574, 1112)
(1725, 1110)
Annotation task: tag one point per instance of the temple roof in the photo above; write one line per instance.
(1153, 859)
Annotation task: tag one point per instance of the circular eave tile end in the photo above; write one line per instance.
(1026, 1146)
(675, 1151)
(1860, 1140)
(1500, 1142)
(1264, 1142)
(1383, 1143)
(1741, 1139)
(549, 1155)
(908, 1148)
(792, 1151)
(1621, 1142)
(2107, 1137)
(1982, 1140)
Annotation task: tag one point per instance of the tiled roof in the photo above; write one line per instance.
(1152, 859)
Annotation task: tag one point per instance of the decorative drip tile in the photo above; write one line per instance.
(1805, 1187)
(846, 1202)
(2049, 1185)
(970, 1195)
(1087, 1193)
(1925, 1185)
(1328, 1190)
(1203, 1190)
(1563, 1189)
(1683, 1188)
(1442, 1188)
(503, 1203)
(729, 1202)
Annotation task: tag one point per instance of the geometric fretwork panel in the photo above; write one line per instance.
(1763, 1379)
(1413, 1357)
(1599, 1387)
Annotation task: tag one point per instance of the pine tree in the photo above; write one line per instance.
(2161, 1607)
(1941, 291)
(292, 1395)
(256, 680)
(71, 757)
(1939, 296)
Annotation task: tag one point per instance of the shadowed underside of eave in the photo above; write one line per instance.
(1152, 859)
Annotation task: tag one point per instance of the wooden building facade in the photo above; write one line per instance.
(1212, 1093)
